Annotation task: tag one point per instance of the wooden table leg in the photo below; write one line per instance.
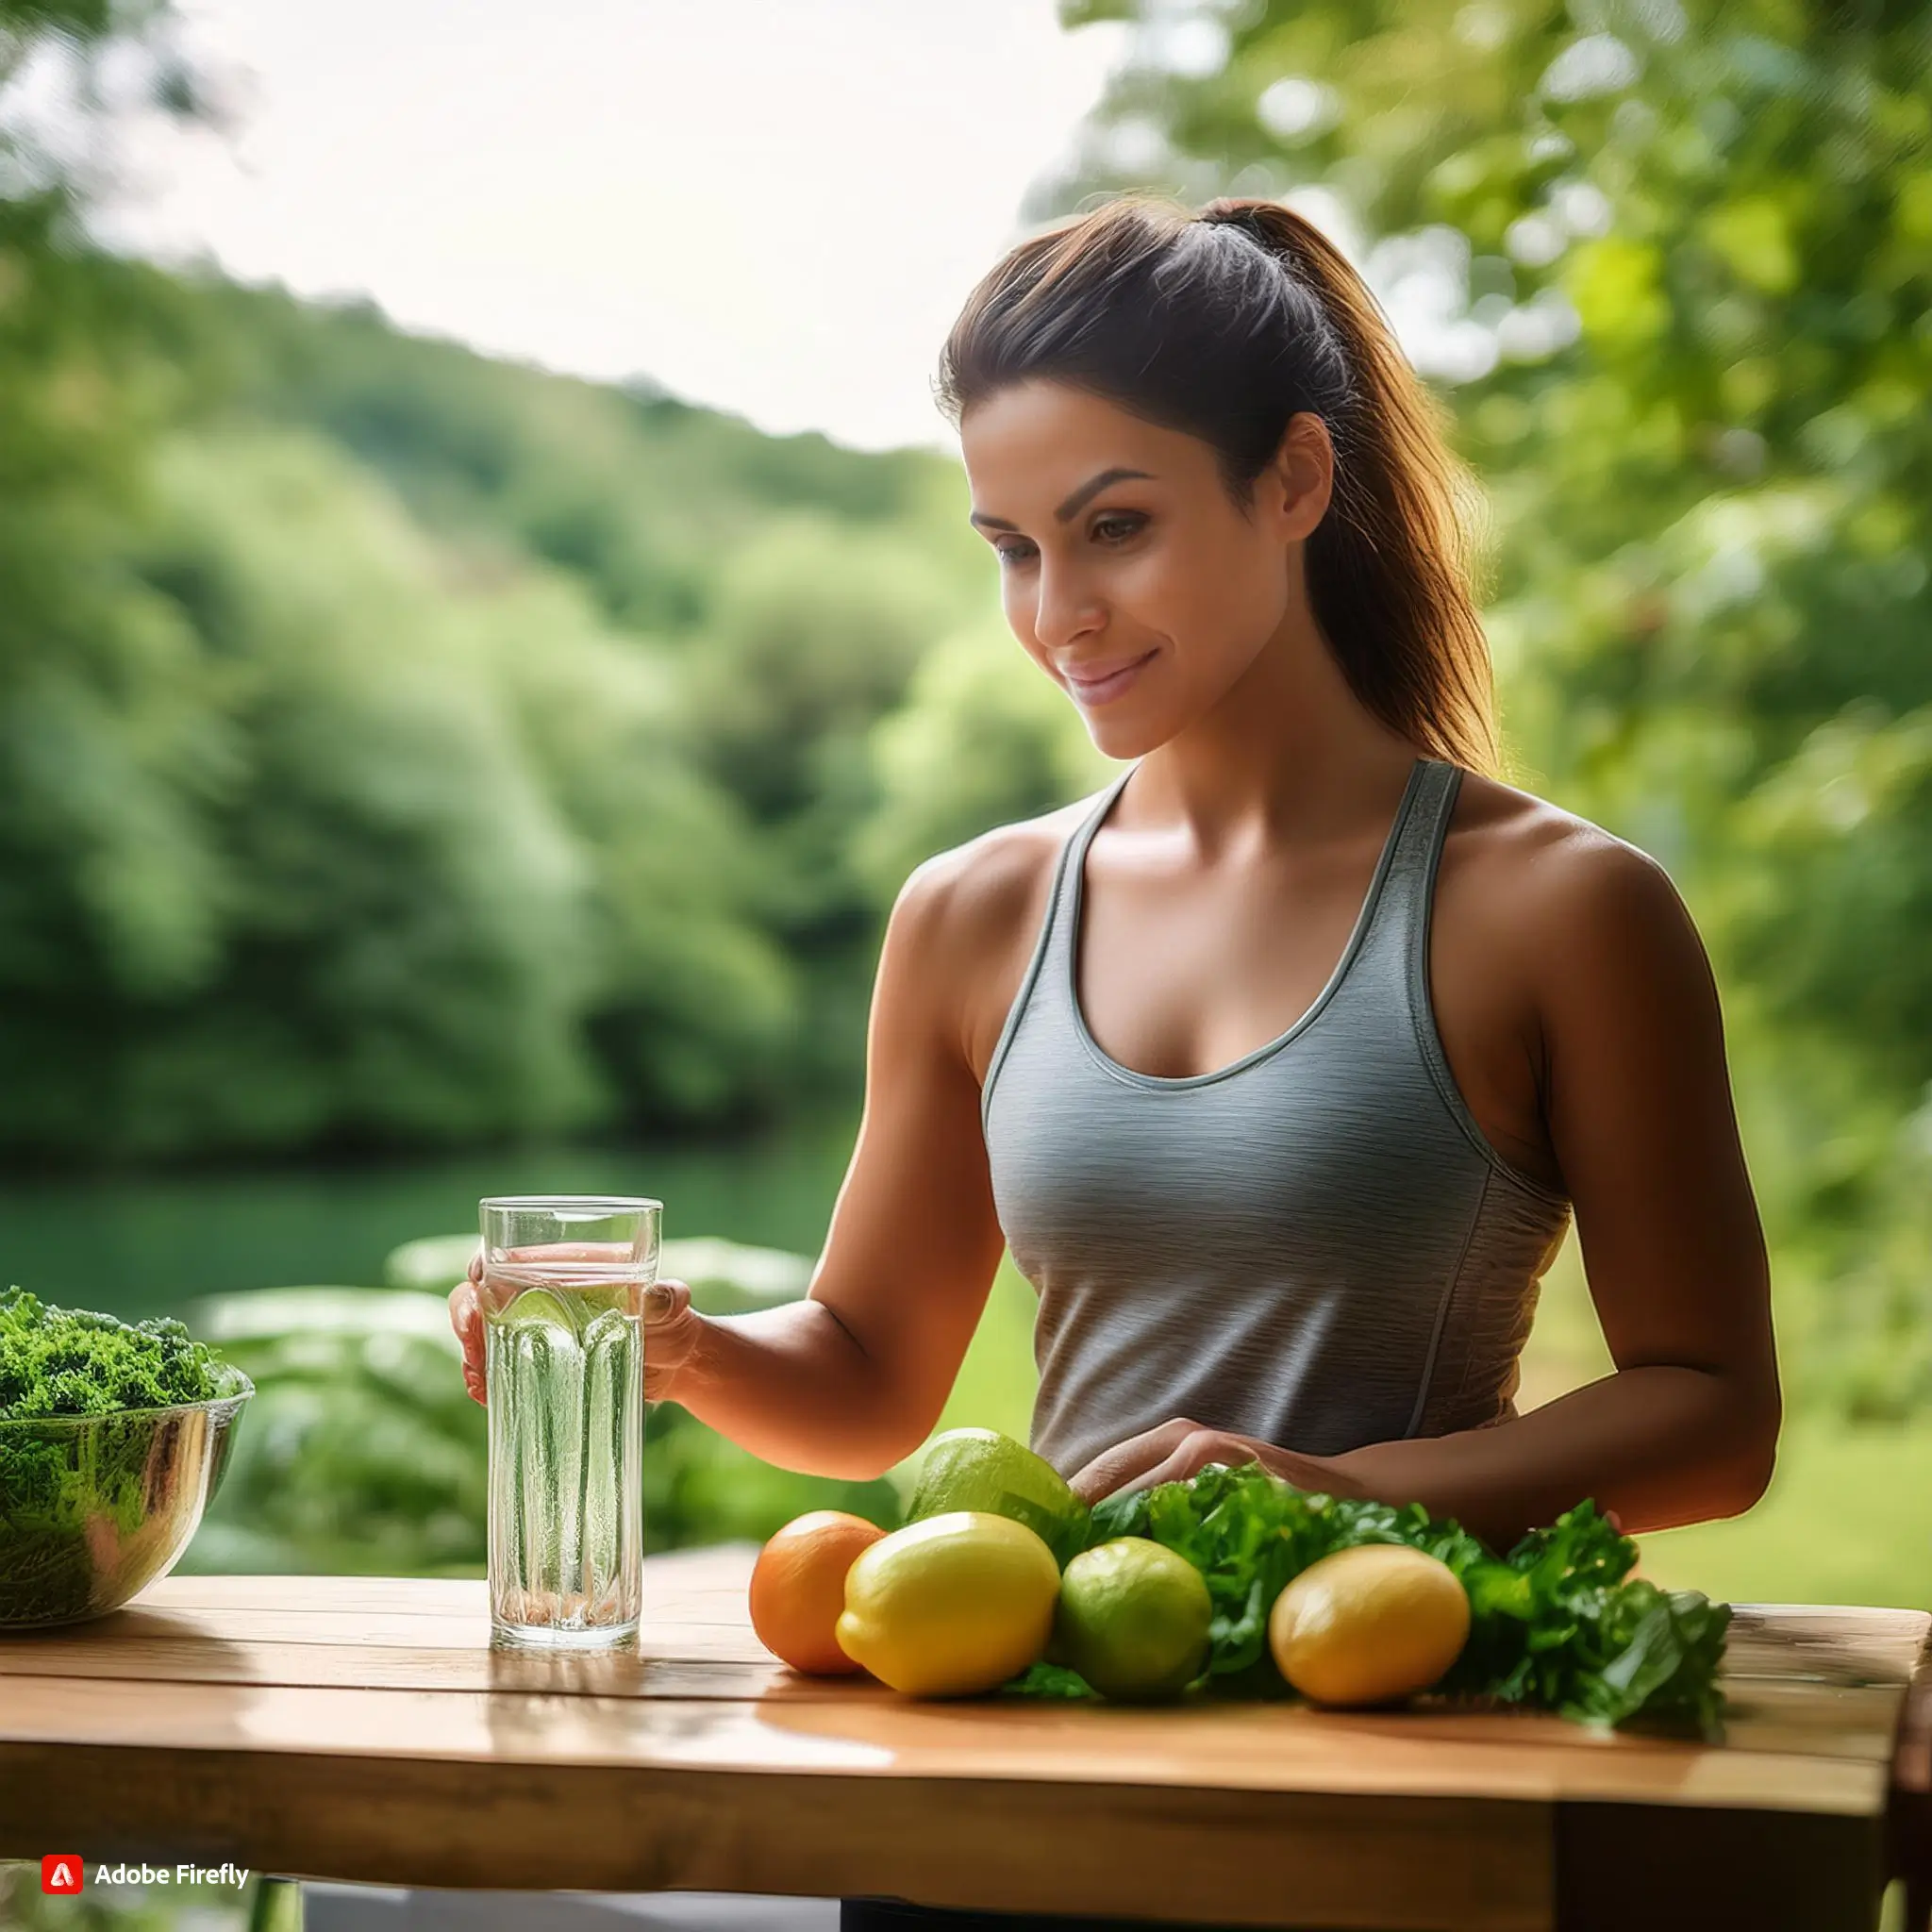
(1908, 1813)
(1643, 1868)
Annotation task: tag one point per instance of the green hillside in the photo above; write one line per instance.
(414, 747)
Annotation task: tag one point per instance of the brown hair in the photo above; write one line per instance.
(1223, 324)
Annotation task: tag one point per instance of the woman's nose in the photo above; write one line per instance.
(1064, 609)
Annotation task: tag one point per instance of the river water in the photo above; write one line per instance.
(137, 1245)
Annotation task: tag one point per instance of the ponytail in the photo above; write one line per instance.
(1225, 324)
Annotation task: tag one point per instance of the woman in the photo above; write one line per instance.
(1281, 1064)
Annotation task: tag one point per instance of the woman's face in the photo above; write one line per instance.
(1127, 572)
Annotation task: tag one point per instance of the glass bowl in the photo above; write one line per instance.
(95, 1508)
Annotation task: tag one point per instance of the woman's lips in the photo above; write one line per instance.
(1100, 690)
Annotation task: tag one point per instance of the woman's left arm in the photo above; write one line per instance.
(1638, 1102)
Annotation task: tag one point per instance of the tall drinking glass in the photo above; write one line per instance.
(562, 1298)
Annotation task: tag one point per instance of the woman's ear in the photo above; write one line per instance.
(1298, 484)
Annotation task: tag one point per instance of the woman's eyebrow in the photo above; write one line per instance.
(1092, 487)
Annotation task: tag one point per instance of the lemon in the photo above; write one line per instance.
(952, 1606)
(1133, 1619)
(1368, 1624)
(982, 1470)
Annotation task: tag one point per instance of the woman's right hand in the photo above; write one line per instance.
(672, 1331)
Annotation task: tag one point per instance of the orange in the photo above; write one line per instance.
(798, 1589)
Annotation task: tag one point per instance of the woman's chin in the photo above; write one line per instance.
(1127, 738)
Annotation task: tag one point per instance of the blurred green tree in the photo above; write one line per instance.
(815, 629)
(1674, 264)
(984, 737)
(94, 353)
(637, 494)
(403, 859)
(397, 746)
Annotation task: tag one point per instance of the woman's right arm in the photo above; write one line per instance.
(851, 1380)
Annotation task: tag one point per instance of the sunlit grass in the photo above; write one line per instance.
(1847, 1520)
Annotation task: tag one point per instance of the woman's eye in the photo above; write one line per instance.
(1111, 530)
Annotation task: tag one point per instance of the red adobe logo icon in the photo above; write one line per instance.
(62, 1872)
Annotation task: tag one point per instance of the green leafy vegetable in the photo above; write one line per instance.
(69, 1361)
(1554, 1624)
(81, 1474)
(1048, 1680)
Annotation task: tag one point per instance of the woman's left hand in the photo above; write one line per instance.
(1180, 1449)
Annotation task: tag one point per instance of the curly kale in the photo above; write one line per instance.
(71, 1362)
(72, 1498)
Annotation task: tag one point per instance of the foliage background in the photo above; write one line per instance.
(405, 751)
(1691, 249)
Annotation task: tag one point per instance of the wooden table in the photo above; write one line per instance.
(362, 1729)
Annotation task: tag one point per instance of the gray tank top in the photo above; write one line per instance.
(1315, 1246)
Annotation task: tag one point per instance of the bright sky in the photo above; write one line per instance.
(774, 207)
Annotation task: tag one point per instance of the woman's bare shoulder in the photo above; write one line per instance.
(1525, 846)
(1543, 901)
(988, 897)
(988, 877)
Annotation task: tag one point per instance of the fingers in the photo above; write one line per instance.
(665, 1300)
(1118, 1466)
(673, 1330)
(465, 1318)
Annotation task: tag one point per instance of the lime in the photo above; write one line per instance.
(536, 1305)
(1133, 1619)
(1368, 1624)
(571, 1307)
(982, 1470)
(949, 1607)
